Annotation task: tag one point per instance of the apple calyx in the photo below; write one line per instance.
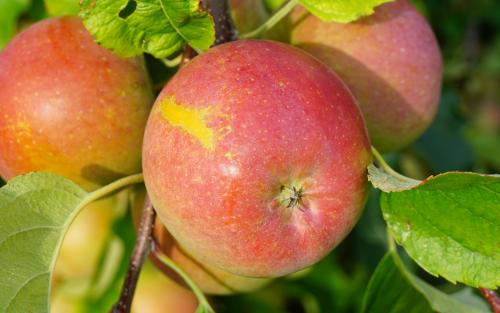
(291, 197)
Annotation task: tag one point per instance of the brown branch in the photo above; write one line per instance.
(141, 249)
(224, 27)
(492, 298)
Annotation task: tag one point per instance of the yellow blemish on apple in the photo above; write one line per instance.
(191, 120)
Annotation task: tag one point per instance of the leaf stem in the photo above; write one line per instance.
(381, 162)
(117, 184)
(203, 302)
(141, 250)
(172, 63)
(273, 20)
(390, 241)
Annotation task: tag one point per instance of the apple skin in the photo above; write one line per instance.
(231, 135)
(209, 279)
(390, 60)
(69, 106)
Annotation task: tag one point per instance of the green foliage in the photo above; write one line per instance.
(62, 7)
(39, 209)
(340, 10)
(392, 288)
(449, 226)
(158, 27)
(10, 10)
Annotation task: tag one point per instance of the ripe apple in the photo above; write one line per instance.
(69, 106)
(255, 158)
(209, 279)
(391, 62)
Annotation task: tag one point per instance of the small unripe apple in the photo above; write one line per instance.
(156, 293)
(85, 241)
(391, 62)
(69, 106)
(255, 158)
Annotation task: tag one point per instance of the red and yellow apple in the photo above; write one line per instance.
(69, 106)
(255, 158)
(391, 62)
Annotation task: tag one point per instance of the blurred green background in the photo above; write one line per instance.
(465, 136)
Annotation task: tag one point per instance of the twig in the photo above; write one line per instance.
(224, 27)
(141, 249)
(492, 298)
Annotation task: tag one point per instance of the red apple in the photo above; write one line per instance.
(69, 106)
(390, 60)
(255, 158)
(209, 279)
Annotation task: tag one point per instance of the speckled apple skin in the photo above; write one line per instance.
(232, 127)
(390, 60)
(69, 106)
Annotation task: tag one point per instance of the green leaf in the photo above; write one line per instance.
(342, 11)
(62, 7)
(393, 289)
(449, 226)
(36, 210)
(389, 183)
(158, 27)
(9, 12)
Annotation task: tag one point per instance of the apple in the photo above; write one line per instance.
(391, 62)
(69, 106)
(255, 158)
(156, 293)
(209, 279)
(86, 240)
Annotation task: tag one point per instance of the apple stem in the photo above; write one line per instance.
(141, 249)
(273, 20)
(492, 298)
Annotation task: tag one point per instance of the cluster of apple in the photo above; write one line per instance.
(254, 154)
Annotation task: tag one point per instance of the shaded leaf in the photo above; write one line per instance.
(393, 289)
